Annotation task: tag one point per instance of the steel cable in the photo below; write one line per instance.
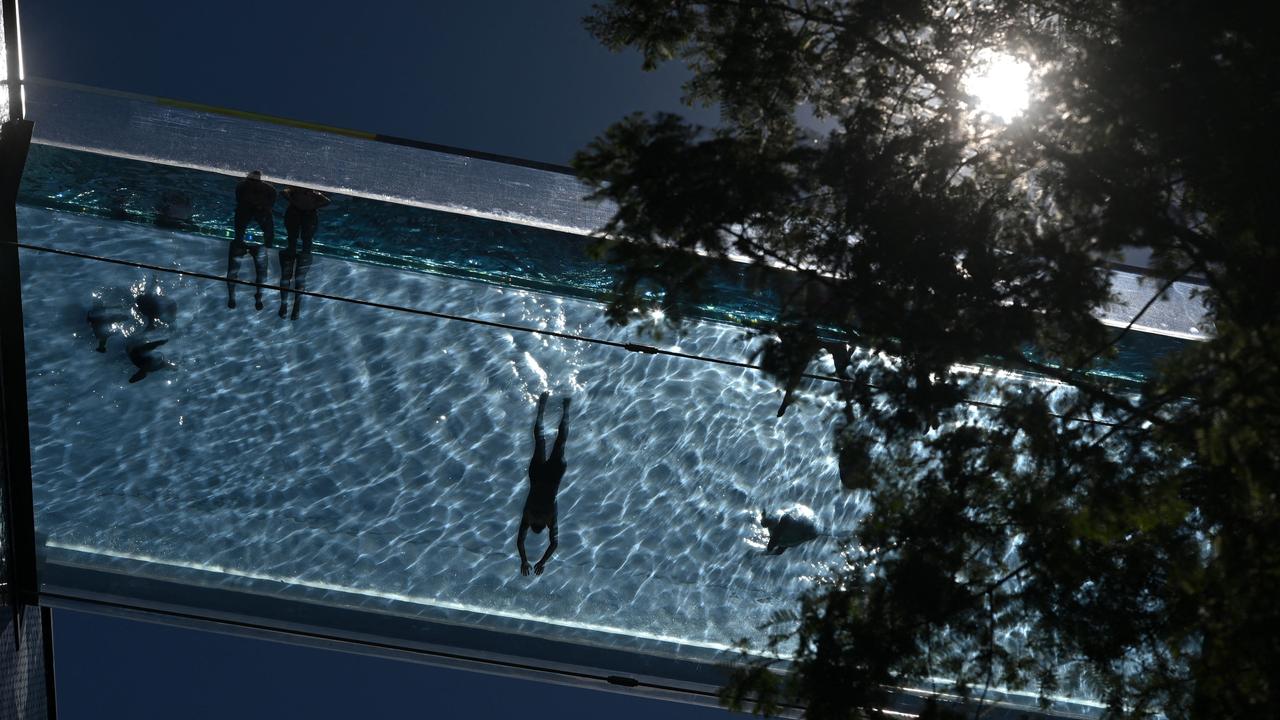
(629, 347)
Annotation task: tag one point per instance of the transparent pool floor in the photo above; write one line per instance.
(385, 454)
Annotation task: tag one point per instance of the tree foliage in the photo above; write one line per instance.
(1016, 544)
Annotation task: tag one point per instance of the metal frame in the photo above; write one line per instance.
(15, 138)
(15, 444)
(13, 58)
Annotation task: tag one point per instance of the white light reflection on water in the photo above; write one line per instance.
(386, 453)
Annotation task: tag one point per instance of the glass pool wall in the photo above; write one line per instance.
(420, 239)
(369, 462)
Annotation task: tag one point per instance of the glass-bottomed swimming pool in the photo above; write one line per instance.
(365, 450)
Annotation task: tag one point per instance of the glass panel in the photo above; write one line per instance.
(185, 135)
(415, 238)
(357, 228)
(352, 163)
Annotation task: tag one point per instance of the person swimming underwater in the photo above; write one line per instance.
(545, 474)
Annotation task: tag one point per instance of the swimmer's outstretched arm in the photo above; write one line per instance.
(524, 559)
(551, 547)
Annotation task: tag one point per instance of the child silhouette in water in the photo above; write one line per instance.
(544, 482)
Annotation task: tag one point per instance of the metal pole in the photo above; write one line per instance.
(15, 138)
(13, 60)
(15, 444)
(50, 690)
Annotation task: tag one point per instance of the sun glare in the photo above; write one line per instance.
(1001, 84)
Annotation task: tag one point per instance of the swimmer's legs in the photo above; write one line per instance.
(259, 273)
(288, 259)
(539, 445)
(289, 256)
(239, 248)
(562, 434)
(300, 282)
(293, 264)
(235, 251)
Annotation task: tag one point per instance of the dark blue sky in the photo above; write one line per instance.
(514, 77)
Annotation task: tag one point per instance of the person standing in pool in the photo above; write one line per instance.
(300, 219)
(254, 199)
(544, 482)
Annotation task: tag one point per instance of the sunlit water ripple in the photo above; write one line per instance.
(383, 452)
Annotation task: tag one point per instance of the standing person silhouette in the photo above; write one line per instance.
(300, 219)
(544, 482)
(254, 199)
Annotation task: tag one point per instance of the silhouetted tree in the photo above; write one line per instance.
(1015, 544)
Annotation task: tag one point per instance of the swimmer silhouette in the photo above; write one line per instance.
(142, 353)
(301, 218)
(544, 482)
(254, 199)
(790, 528)
(155, 307)
(105, 321)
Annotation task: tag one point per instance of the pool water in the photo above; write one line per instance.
(385, 453)
(375, 460)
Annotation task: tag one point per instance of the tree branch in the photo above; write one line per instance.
(1125, 331)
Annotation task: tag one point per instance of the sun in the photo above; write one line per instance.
(1001, 84)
